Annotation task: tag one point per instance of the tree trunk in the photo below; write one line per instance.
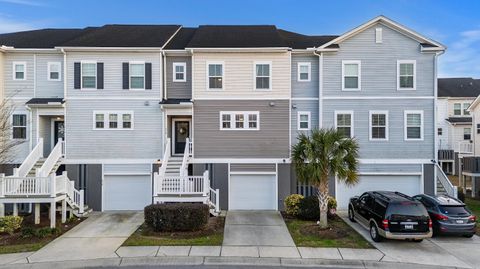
(323, 202)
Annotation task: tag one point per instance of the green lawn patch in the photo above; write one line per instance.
(474, 206)
(212, 235)
(338, 235)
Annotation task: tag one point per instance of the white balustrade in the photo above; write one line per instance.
(30, 161)
(51, 161)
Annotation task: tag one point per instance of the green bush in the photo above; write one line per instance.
(9, 224)
(308, 208)
(332, 203)
(461, 195)
(176, 217)
(28, 232)
(292, 203)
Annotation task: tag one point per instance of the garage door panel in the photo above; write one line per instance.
(409, 185)
(127, 192)
(252, 192)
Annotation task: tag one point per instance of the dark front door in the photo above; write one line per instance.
(59, 131)
(182, 132)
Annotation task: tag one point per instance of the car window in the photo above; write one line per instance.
(367, 200)
(380, 209)
(453, 210)
(407, 209)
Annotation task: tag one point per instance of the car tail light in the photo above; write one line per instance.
(472, 218)
(385, 224)
(440, 216)
(430, 223)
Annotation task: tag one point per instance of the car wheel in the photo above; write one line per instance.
(374, 233)
(417, 240)
(351, 215)
(468, 235)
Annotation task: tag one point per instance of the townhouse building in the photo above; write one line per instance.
(164, 113)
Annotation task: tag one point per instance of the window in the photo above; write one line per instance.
(19, 126)
(231, 120)
(304, 70)
(413, 125)
(54, 71)
(351, 71)
(344, 122)
(467, 133)
(304, 120)
(89, 75)
(478, 128)
(406, 75)
(378, 35)
(465, 107)
(262, 76)
(137, 76)
(179, 72)
(215, 76)
(117, 120)
(457, 109)
(19, 70)
(439, 131)
(378, 125)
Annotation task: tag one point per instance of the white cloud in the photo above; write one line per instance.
(24, 2)
(7, 26)
(462, 58)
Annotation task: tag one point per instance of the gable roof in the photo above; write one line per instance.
(181, 38)
(41, 39)
(458, 87)
(236, 36)
(299, 41)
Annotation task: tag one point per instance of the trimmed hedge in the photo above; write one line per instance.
(176, 217)
(308, 208)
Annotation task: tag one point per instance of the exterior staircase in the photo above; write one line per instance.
(174, 165)
(440, 189)
(39, 164)
(444, 186)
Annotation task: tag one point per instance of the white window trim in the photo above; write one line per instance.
(309, 68)
(208, 76)
(414, 62)
(245, 124)
(309, 114)
(359, 63)
(337, 112)
(24, 70)
(370, 113)
(405, 124)
(461, 109)
(184, 65)
(378, 35)
(106, 120)
(269, 77)
(26, 126)
(130, 76)
(81, 76)
(471, 133)
(49, 69)
(465, 109)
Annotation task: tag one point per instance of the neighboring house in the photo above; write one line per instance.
(454, 122)
(164, 113)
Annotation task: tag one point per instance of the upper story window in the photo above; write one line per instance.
(118, 120)
(440, 131)
(137, 75)
(304, 121)
(379, 125)
(413, 121)
(351, 79)
(344, 122)
(406, 74)
(467, 133)
(465, 107)
(179, 72)
(215, 76)
(263, 76)
(19, 126)
(478, 128)
(54, 71)
(231, 120)
(460, 109)
(19, 71)
(304, 71)
(89, 75)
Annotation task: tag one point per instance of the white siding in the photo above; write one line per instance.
(19, 88)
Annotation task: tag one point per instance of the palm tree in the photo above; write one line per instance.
(322, 153)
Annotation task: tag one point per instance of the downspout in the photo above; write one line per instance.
(64, 99)
(31, 127)
(435, 131)
(320, 87)
(164, 59)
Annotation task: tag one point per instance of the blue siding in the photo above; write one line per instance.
(303, 89)
(303, 105)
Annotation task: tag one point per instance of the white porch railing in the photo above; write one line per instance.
(447, 185)
(186, 155)
(215, 199)
(27, 186)
(51, 161)
(184, 185)
(30, 161)
(464, 147)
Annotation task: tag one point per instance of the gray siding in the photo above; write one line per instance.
(271, 141)
(285, 186)
(305, 89)
(19, 88)
(303, 105)
(143, 142)
(219, 177)
(377, 168)
(21, 151)
(396, 146)
(378, 64)
(88, 177)
(252, 167)
(429, 179)
(45, 87)
(182, 90)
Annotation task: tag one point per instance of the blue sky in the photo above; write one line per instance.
(453, 23)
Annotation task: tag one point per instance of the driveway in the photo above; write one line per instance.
(96, 237)
(256, 228)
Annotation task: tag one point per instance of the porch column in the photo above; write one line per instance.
(2, 210)
(52, 215)
(37, 213)
(475, 187)
(64, 210)
(15, 209)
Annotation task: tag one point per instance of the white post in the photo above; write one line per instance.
(217, 200)
(2, 210)
(52, 214)
(15, 209)
(155, 179)
(2, 185)
(15, 172)
(206, 183)
(37, 213)
(53, 191)
(64, 210)
(82, 202)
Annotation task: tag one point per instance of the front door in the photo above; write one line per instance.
(58, 131)
(181, 131)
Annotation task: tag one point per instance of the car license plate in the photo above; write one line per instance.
(459, 221)
(409, 226)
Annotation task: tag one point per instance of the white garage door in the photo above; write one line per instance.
(127, 192)
(253, 192)
(408, 184)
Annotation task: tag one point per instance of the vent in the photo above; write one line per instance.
(378, 35)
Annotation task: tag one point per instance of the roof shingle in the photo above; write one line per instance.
(458, 87)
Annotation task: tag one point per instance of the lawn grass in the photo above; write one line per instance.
(211, 236)
(474, 206)
(22, 247)
(339, 235)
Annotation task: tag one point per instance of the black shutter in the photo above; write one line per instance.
(99, 75)
(76, 75)
(126, 78)
(148, 76)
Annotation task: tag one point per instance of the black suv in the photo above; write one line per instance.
(392, 215)
(449, 215)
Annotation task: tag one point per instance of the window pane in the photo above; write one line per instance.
(226, 121)
(351, 70)
(413, 132)
(54, 75)
(406, 69)
(179, 76)
(304, 125)
(127, 121)
(303, 69)
(263, 70)
(19, 120)
(215, 83)
(137, 82)
(378, 119)
(19, 68)
(89, 69)
(304, 117)
(457, 109)
(89, 82)
(19, 75)
(239, 121)
(406, 82)
(351, 82)
(54, 68)
(414, 120)
(113, 118)
(19, 132)
(465, 107)
(215, 70)
(137, 70)
(99, 121)
(378, 132)
(345, 131)
(252, 121)
(263, 83)
(344, 119)
(179, 68)
(304, 76)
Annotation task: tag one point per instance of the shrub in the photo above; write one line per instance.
(332, 203)
(9, 224)
(308, 208)
(176, 217)
(28, 232)
(292, 203)
(461, 195)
